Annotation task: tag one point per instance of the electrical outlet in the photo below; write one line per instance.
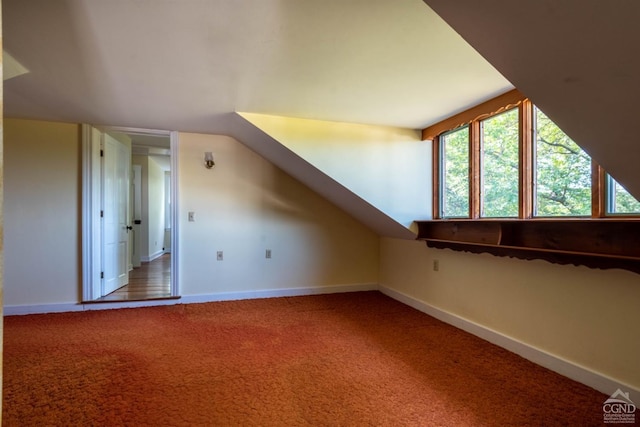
(219, 255)
(436, 265)
(267, 254)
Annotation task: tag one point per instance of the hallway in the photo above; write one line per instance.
(152, 280)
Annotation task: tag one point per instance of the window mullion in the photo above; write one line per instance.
(598, 190)
(436, 177)
(474, 169)
(525, 194)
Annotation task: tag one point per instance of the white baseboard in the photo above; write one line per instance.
(554, 363)
(14, 310)
(274, 293)
(151, 257)
(18, 310)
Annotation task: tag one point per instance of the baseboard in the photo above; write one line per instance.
(15, 310)
(554, 363)
(275, 293)
(18, 310)
(153, 256)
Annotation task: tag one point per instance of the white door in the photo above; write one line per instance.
(115, 179)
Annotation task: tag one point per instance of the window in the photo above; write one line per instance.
(506, 159)
(455, 173)
(500, 165)
(619, 200)
(563, 172)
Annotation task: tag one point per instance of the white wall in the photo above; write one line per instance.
(388, 167)
(245, 205)
(588, 317)
(143, 162)
(155, 210)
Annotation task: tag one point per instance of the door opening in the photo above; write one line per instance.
(145, 185)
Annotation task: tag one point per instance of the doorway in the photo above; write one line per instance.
(150, 229)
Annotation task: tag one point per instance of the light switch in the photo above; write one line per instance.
(192, 217)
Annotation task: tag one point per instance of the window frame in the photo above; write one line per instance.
(441, 168)
(610, 194)
(526, 173)
(534, 171)
(482, 161)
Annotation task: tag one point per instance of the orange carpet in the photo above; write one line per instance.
(356, 359)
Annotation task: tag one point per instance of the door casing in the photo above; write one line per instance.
(91, 201)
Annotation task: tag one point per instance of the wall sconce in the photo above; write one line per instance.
(208, 160)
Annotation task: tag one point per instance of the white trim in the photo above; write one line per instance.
(14, 310)
(132, 130)
(275, 293)
(91, 244)
(581, 374)
(18, 310)
(150, 258)
(175, 188)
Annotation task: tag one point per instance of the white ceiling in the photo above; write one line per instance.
(185, 65)
(188, 65)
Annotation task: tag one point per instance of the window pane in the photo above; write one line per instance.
(563, 172)
(619, 200)
(455, 173)
(500, 141)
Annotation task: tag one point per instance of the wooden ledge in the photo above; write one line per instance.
(596, 243)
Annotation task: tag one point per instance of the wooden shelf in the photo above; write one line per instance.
(596, 243)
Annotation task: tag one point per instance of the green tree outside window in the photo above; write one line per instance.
(563, 172)
(455, 173)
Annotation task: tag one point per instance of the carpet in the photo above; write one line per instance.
(353, 359)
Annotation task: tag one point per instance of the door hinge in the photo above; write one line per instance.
(101, 214)
(101, 153)
(102, 274)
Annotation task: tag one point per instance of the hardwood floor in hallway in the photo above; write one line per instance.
(152, 280)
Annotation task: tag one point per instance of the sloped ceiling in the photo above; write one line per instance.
(262, 143)
(576, 59)
(184, 65)
(190, 65)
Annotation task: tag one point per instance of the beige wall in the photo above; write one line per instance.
(42, 212)
(586, 316)
(245, 205)
(386, 166)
